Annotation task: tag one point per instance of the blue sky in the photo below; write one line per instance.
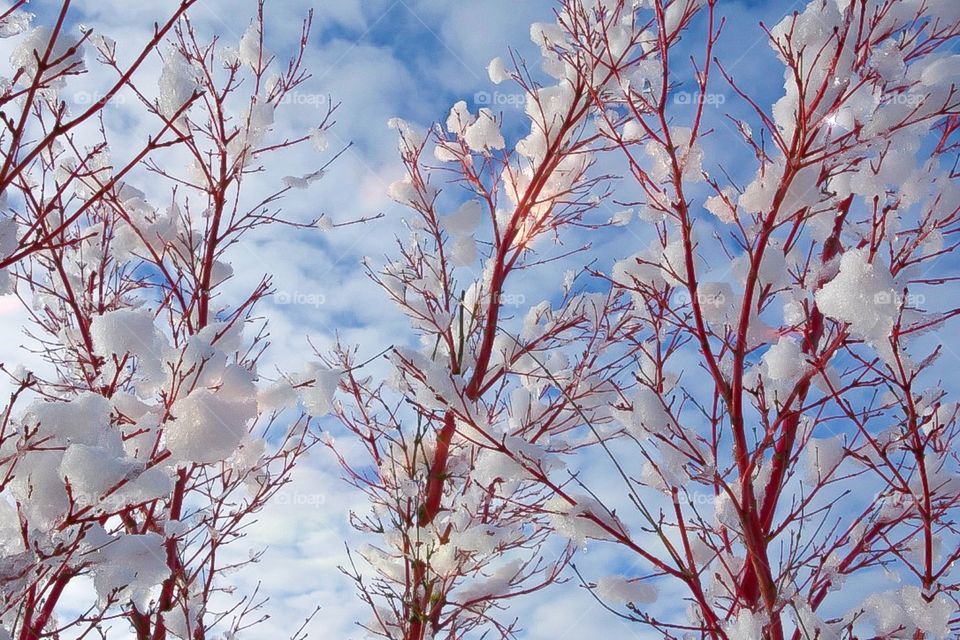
(412, 59)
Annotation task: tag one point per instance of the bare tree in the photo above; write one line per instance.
(463, 527)
(761, 377)
(152, 441)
